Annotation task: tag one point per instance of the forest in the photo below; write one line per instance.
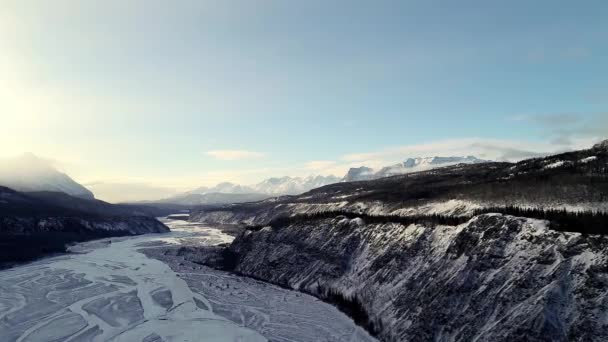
(585, 222)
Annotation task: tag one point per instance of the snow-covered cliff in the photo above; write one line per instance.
(391, 247)
(494, 278)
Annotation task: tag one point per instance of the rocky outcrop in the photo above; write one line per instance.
(494, 278)
(601, 145)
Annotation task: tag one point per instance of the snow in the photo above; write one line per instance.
(451, 207)
(413, 165)
(293, 185)
(588, 159)
(554, 165)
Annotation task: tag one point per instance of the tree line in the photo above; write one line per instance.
(586, 222)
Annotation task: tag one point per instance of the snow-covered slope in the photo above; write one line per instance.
(29, 173)
(494, 278)
(362, 173)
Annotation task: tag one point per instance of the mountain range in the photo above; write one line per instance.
(28, 173)
(226, 192)
(234, 193)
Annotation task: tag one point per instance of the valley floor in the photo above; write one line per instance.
(130, 289)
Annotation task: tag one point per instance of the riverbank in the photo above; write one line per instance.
(132, 289)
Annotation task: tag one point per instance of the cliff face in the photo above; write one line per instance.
(494, 278)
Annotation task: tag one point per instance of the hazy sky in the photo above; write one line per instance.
(188, 93)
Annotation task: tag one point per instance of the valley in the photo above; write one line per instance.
(303, 171)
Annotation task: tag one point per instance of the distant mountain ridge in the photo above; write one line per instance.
(408, 166)
(29, 173)
(226, 192)
(293, 185)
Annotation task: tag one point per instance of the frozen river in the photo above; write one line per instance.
(110, 290)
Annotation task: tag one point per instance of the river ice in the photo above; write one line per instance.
(110, 290)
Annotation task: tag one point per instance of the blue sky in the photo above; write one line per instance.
(177, 94)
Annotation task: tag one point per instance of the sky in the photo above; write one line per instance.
(151, 97)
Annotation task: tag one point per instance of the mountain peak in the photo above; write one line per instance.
(30, 173)
(601, 145)
(358, 173)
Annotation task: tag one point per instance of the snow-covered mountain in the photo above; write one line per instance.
(227, 192)
(271, 186)
(224, 188)
(408, 166)
(293, 185)
(27, 173)
(355, 174)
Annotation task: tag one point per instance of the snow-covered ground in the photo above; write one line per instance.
(108, 290)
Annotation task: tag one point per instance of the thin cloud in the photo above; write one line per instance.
(235, 154)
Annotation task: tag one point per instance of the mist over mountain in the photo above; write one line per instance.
(29, 173)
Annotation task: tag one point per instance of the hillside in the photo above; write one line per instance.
(29, 173)
(37, 224)
(435, 255)
(575, 181)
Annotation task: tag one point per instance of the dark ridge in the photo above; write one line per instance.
(17, 249)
